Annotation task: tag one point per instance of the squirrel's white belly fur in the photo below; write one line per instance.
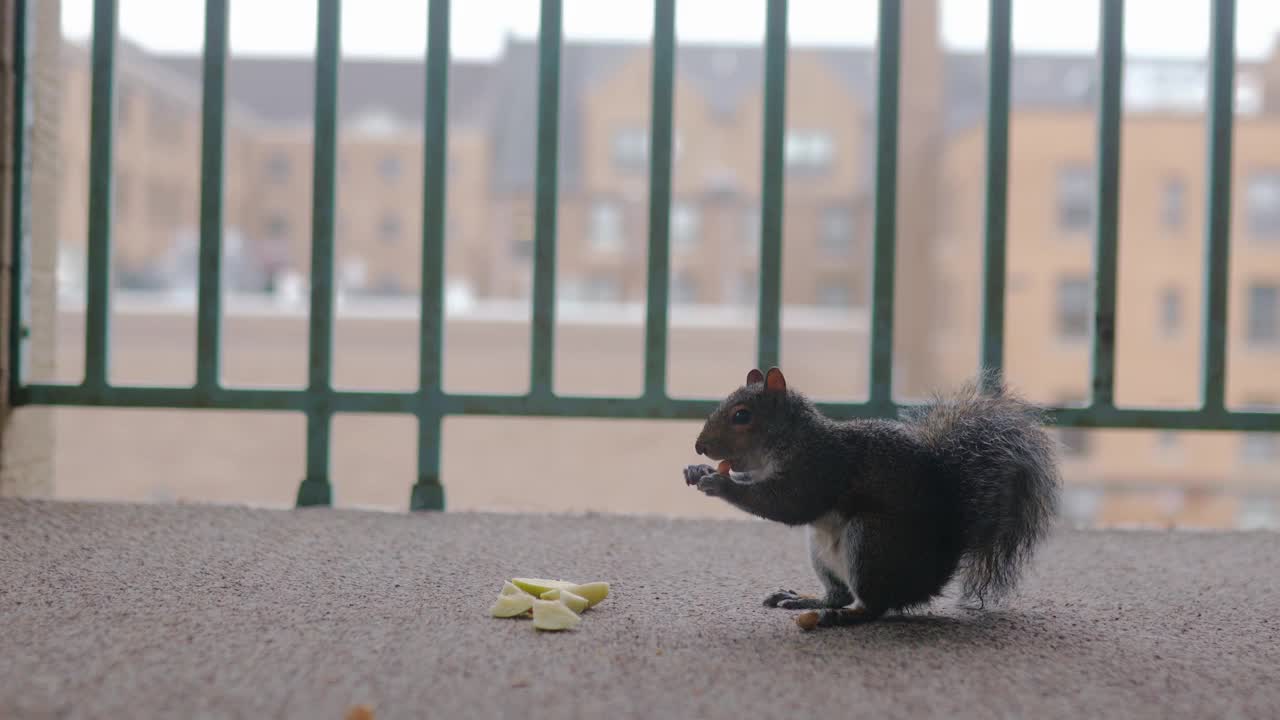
(833, 541)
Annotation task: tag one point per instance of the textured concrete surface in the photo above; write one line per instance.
(184, 611)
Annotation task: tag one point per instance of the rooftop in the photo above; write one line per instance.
(113, 610)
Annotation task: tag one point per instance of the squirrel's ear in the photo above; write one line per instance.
(755, 376)
(774, 382)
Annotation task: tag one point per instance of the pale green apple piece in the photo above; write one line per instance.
(593, 592)
(537, 586)
(553, 615)
(576, 603)
(509, 589)
(512, 605)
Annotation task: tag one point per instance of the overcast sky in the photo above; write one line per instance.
(398, 27)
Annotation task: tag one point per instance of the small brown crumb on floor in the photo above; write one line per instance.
(360, 712)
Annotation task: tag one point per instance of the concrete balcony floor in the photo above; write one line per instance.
(121, 611)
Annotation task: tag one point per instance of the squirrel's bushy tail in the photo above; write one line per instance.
(996, 445)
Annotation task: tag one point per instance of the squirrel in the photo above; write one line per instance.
(965, 486)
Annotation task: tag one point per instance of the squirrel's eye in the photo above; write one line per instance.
(742, 417)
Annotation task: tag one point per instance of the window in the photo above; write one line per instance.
(684, 288)
(279, 167)
(389, 229)
(1264, 314)
(684, 227)
(353, 272)
(1080, 503)
(1260, 448)
(808, 150)
(836, 232)
(452, 235)
(123, 196)
(1262, 200)
(1171, 312)
(742, 288)
(1075, 199)
(163, 201)
(389, 167)
(166, 119)
(833, 292)
(124, 105)
(1259, 512)
(1073, 308)
(630, 148)
(751, 231)
(603, 287)
(388, 284)
(1173, 203)
(606, 227)
(1075, 442)
(277, 227)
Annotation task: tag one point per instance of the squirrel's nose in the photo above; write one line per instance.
(700, 448)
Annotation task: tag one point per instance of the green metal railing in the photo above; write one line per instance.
(320, 401)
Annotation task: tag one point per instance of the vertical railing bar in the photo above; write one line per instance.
(1218, 223)
(1108, 204)
(428, 494)
(315, 489)
(656, 315)
(544, 239)
(101, 140)
(997, 192)
(886, 204)
(212, 165)
(773, 170)
(19, 199)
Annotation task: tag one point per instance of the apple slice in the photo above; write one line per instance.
(537, 586)
(509, 589)
(553, 615)
(574, 602)
(512, 605)
(593, 592)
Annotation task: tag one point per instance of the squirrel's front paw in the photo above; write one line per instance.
(714, 485)
(694, 473)
(791, 600)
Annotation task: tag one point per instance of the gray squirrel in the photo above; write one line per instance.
(964, 485)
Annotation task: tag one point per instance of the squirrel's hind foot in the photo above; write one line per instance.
(835, 617)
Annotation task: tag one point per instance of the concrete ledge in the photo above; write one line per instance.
(184, 611)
